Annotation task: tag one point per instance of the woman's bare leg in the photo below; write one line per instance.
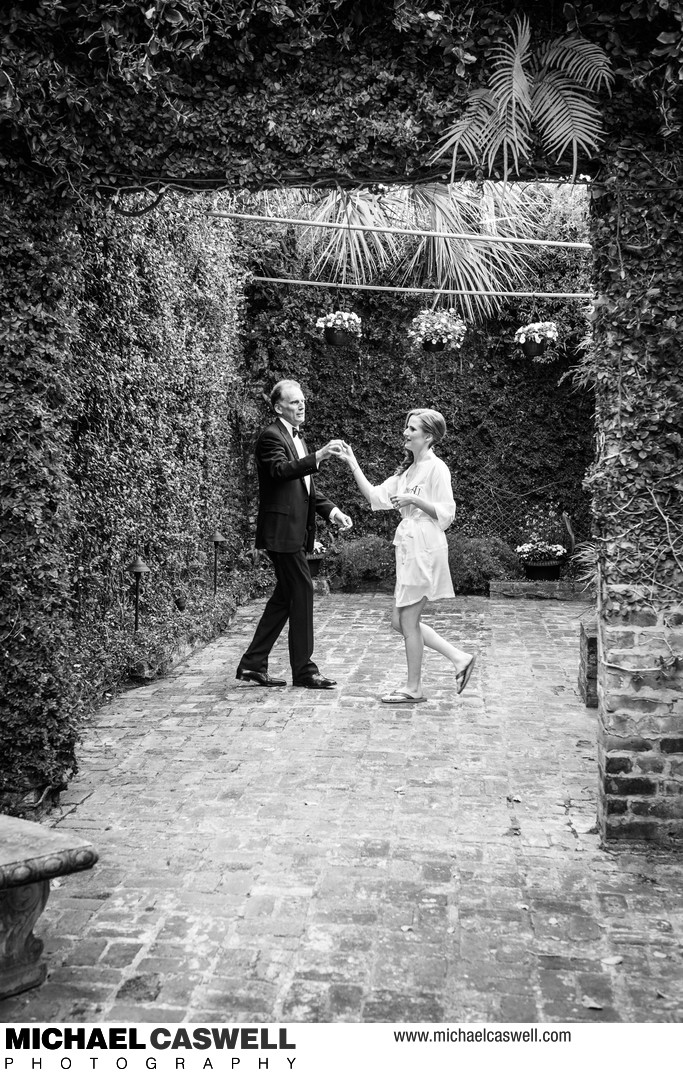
(432, 639)
(401, 617)
(409, 618)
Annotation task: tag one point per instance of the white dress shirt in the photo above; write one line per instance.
(298, 447)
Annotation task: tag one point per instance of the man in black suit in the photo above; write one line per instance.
(285, 527)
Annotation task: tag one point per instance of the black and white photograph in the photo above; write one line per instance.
(341, 541)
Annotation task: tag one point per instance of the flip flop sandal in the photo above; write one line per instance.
(465, 675)
(399, 696)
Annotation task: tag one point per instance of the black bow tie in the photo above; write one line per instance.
(295, 433)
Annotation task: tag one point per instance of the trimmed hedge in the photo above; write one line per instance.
(476, 561)
(368, 562)
(363, 562)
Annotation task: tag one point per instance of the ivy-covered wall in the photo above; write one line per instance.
(39, 705)
(125, 422)
(157, 423)
(261, 93)
(637, 486)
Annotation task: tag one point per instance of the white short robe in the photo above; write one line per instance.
(420, 540)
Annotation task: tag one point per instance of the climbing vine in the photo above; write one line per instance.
(122, 414)
(258, 93)
(636, 480)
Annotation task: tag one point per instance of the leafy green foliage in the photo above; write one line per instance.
(636, 480)
(125, 427)
(39, 707)
(259, 93)
(551, 88)
(367, 561)
(476, 561)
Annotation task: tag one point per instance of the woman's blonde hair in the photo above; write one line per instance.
(432, 424)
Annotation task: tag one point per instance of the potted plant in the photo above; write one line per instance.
(541, 559)
(315, 558)
(437, 329)
(541, 553)
(339, 327)
(533, 337)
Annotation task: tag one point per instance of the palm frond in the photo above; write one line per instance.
(518, 211)
(550, 87)
(510, 89)
(565, 117)
(508, 82)
(507, 135)
(349, 255)
(469, 132)
(580, 59)
(497, 119)
(464, 263)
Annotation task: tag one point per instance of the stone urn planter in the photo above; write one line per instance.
(432, 345)
(543, 571)
(314, 563)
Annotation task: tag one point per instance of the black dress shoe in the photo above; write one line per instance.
(262, 678)
(314, 681)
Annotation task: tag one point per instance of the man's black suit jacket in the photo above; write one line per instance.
(286, 512)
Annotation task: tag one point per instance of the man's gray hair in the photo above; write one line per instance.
(277, 392)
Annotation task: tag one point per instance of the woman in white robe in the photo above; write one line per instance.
(421, 491)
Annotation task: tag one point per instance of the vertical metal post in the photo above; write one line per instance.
(217, 538)
(138, 567)
(137, 601)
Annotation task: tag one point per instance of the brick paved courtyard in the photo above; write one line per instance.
(286, 855)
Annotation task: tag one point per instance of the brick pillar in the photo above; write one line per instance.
(637, 234)
(641, 728)
(588, 663)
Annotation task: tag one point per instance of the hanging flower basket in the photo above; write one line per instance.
(533, 338)
(338, 337)
(340, 328)
(437, 329)
(532, 349)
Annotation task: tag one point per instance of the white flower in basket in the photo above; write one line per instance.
(340, 322)
(538, 331)
(537, 550)
(438, 326)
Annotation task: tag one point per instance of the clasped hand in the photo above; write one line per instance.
(332, 449)
(405, 500)
(339, 449)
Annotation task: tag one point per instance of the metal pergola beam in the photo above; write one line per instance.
(421, 290)
(400, 231)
